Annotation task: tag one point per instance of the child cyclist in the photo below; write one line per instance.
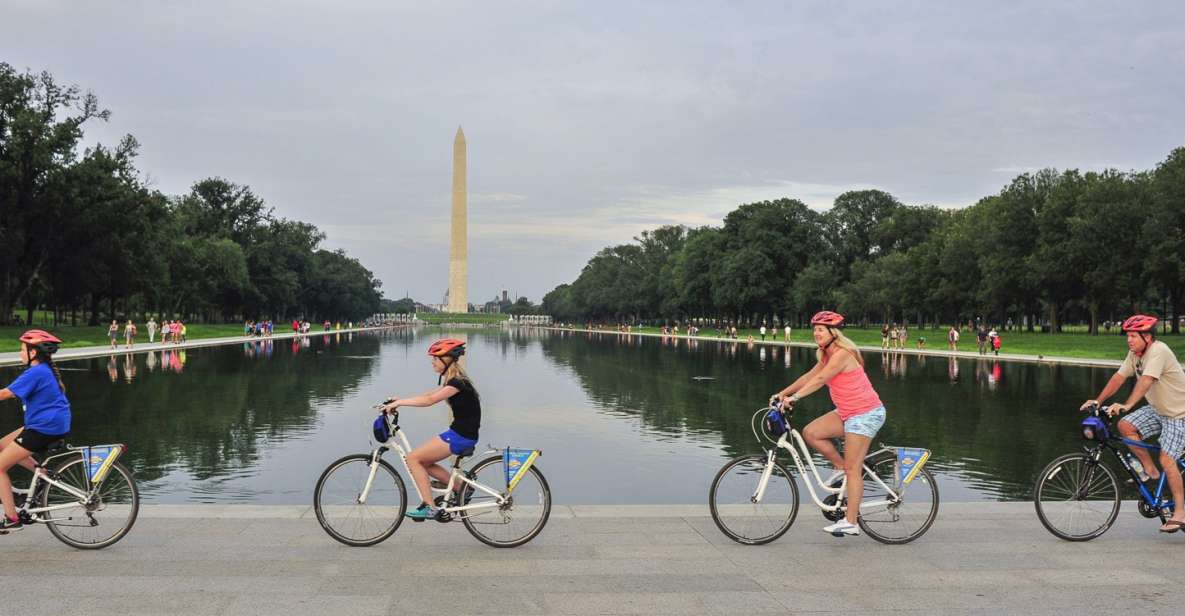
(47, 414)
(461, 435)
(858, 413)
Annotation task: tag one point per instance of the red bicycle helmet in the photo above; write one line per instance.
(41, 339)
(447, 347)
(828, 318)
(1140, 323)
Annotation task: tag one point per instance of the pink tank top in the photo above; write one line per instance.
(852, 394)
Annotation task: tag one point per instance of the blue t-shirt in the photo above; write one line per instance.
(46, 408)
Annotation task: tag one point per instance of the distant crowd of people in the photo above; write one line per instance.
(171, 332)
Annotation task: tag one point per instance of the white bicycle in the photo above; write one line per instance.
(754, 499)
(86, 498)
(360, 499)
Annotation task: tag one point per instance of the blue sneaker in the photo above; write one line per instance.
(421, 513)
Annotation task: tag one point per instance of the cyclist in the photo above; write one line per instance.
(47, 414)
(455, 387)
(858, 413)
(1159, 379)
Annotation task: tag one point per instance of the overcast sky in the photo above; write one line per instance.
(589, 122)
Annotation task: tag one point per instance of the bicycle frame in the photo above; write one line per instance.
(784, 442)
(398, 442)
(40, 475)
(1150, 498)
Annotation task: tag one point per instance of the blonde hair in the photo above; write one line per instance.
(844, 343)
(454, 371)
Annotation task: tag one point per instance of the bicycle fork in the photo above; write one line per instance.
(374, 467)
(765, 474)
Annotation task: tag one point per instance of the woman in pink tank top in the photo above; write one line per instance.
(857, 417)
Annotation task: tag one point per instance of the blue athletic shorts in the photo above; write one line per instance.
(456, 442)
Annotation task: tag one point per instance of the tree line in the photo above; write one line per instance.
(1052, 247)
(84, 236)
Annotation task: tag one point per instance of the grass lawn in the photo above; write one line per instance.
(1082, 345)
(91, 336)
(436, 318)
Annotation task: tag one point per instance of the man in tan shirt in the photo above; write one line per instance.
(1159, 378)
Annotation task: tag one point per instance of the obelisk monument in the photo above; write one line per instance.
(458, 261)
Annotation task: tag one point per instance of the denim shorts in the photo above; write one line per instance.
(866, 424)
(456, 442)
(1150, 424)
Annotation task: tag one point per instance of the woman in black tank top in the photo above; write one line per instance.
(460, 438)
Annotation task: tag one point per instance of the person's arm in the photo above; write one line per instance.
(799, 382)
(427, 399)
(833, 367)
(6, 394)
(1142, 385)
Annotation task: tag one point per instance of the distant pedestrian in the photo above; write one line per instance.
(885, 336)
(902, 336)
(787, 333)
(952, 338)
(184, 337)
(113, 333)
(894, 343)
(994, 340)
(152, 327)
(982, 338)
(921, 342)
(129, 333)
(763, 333)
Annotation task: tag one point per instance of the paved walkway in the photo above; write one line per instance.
(978, 558)
(14, 358)
(934, 352)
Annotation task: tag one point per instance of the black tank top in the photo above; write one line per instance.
(466, 407)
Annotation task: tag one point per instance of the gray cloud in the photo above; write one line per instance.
(588, 123)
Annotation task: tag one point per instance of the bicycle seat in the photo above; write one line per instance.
(465, 453)
(53, 449)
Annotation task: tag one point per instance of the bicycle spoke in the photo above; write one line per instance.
(343, 517)
(734, 510)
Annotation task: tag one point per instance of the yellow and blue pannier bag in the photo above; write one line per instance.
(99, 459)
(909, 462)
(517, 461)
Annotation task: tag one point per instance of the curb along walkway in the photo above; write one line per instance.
(1035, 359)
(14, 358)
(231, 559)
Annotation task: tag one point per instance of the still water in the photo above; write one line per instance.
(619, 419)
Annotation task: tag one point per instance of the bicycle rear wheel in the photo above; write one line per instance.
(520, 519)
(335, 500)
(1077, 498)
(737, 515)
(99, 521)
(910, 511)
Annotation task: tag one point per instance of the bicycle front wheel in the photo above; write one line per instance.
(514, 523)
(737, 513)
(903, 512)
(1077, 498)
(337, 501)
(104, 517)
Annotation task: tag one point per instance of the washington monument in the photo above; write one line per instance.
(458, 261)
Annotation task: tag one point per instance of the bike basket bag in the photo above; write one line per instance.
(775, 423)
(1095, 429)
(517, 461)
(382, 431)
(99, 459)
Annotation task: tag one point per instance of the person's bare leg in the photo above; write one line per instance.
(855, 448)
(818, 435)
(423, 457)
(1172, 476)
(1129, 431)
(9, 457)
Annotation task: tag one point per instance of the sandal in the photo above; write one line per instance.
(1172, 526)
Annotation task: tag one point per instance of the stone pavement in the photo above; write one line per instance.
(978, 558)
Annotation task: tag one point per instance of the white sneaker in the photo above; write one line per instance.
(841, 528)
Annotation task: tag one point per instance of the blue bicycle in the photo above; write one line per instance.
(1077, 496)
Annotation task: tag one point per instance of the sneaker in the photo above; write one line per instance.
(421, 513)
(7, 525)
(841, 528)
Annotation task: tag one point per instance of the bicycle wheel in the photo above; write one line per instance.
(1077, 498)
(516, 522)
(335, 501)
(731, 501)
(908, 515)
(103, 518)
